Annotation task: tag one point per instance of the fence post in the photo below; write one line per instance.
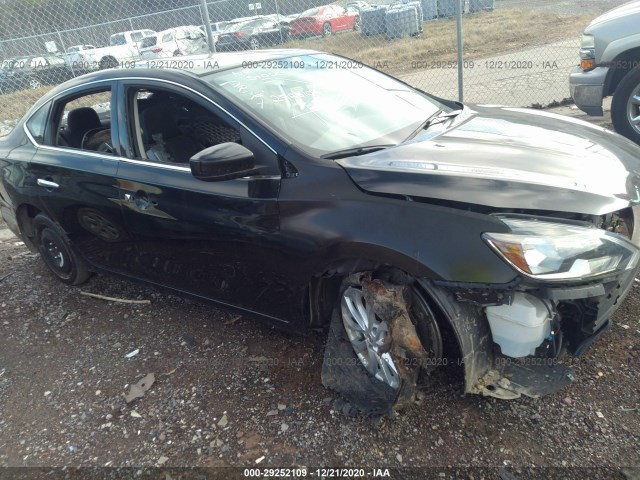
(66, 55)
(204, 11)
(459, 10)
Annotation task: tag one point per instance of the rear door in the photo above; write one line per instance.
(211, 239)
(75, 182)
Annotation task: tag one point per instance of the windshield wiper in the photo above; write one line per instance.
(434, 119)
(353, 152)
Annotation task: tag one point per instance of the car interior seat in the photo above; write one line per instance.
(162, 138)
(79, 122)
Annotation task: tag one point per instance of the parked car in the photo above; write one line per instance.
(217, 28)
(325, 21)
(123, 47)
(253, 34)
(129, 37)
(610, 65)
(187, 40)
(33, 72)
(291, 196)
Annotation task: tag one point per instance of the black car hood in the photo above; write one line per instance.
(509, 158)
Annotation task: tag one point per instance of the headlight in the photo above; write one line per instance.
(587, 53)
(588, 41)
(557, 251)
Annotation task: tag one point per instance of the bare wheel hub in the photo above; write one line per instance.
(369, 337)
(55, 254)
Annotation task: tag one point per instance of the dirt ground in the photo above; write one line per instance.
(230, 392)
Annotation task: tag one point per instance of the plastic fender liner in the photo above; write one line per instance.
(471, 330)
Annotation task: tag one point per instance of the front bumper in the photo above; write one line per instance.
(583, 313)
(587, 89)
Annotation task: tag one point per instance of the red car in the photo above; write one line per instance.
(324, 21)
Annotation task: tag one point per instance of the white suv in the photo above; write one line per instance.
(188, 40)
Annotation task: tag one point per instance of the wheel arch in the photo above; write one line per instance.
(465, 325)
(107, 60)
(25, 213)
(621, 65)
(323, 284)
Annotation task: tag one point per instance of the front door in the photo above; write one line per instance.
(211, 239)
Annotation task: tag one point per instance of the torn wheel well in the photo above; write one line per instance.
(323, 290)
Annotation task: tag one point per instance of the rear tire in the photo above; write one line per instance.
(326, 30)
(356, 24)
(254, 43)
(57, 254)
(625, 106)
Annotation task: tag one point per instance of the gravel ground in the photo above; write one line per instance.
(231, 392)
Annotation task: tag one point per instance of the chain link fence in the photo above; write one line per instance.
(513, 52)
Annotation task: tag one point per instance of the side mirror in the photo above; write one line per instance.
(222, 162)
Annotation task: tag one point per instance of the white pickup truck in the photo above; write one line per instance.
(123, 47)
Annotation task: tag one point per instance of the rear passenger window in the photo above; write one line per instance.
(84, 122)
(37, 123)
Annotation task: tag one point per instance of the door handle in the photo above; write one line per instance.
(48, 184)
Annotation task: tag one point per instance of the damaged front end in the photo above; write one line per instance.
(573, 277)
(511, 337)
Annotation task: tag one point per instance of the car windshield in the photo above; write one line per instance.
(327, 104)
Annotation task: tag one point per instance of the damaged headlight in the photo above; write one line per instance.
(548, 250)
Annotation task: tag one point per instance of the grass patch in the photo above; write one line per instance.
(14, 105)
(484, 34)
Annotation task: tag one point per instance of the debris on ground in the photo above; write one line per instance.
(113, 299)
(133, 353)
(138, 390)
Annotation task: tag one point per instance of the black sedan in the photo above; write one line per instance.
(325, 195)
(253, 34)
(33, 72)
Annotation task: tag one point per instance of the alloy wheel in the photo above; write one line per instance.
(633, 109)
(369, 337)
